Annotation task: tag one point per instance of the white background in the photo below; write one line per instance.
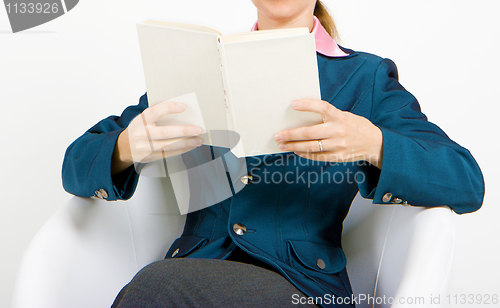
(60, 78)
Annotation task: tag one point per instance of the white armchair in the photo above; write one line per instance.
(89, 249)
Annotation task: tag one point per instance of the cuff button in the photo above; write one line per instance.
(387, 197)
(98, 195)
(104, 193)
(397, 200)
(175, 252)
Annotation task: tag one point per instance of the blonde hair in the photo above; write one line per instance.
(326, 20)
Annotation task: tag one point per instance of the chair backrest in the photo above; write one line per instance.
(89, 249)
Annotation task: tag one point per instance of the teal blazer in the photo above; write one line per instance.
(294, 226)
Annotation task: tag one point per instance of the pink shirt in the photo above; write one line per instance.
(325, 44)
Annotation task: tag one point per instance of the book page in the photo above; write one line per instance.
(263, 35)
(263, 78)
(175, 25)
(177, 62)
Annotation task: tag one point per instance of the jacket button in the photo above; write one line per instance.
(239, 229)
(246, 179)
(175, 252)
(387, 197)
(321, 264)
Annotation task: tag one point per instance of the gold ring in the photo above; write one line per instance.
(320, 146)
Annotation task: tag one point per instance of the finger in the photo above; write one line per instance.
(157, 155)
(328, 157)
(319, 131)
(155, 112)
(176, 144)
(321, 156)
(177, 152)
(309, 146)
(173, 131)
(317, 106)
(146, 148)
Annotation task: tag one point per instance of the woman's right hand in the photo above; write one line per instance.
(142, 141)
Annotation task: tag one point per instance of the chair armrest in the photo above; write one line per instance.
(89, 249)
(429, 259)
(398, 252)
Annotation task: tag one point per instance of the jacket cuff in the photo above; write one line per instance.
(379, 185)
(118, 187)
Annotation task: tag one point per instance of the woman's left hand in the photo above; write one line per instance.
(344, 136)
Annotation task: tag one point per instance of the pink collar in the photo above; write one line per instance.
(325, 44)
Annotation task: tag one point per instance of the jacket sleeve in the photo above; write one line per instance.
(86, 167)
(421, 166)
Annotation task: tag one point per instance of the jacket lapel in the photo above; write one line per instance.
(335, 73)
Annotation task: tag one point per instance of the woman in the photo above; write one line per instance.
(285, 235)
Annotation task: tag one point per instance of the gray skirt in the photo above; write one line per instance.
(208, 283)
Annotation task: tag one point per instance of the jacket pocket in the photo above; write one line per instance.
(328, 259)
(184, 246)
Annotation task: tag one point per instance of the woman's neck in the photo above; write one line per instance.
(303, 20)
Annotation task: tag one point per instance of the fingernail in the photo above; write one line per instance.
(296, 104)
(282, 146)
(278, 137)
(181, 106)
(198, 131)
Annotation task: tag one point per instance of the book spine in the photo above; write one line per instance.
(231, 123)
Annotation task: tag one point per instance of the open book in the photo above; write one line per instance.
(241, 84)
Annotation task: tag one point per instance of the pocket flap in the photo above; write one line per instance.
(185, 245)
(328, 259)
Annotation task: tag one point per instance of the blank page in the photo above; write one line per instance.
(263, 79)
(178, 62)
